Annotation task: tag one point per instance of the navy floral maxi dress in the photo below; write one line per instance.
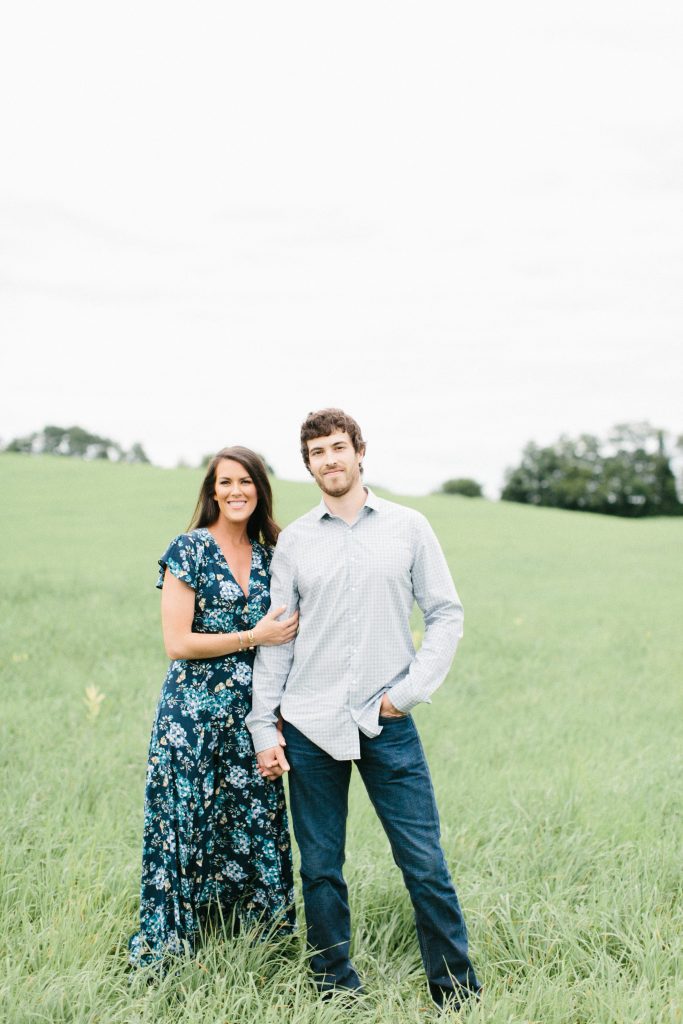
(215, 834)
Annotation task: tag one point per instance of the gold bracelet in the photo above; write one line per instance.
(239, 637)
(251, 638)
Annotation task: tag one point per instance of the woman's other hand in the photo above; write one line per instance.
(270, 632)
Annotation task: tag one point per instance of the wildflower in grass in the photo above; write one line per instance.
(417, 635)
(16, 658)
(93, 702)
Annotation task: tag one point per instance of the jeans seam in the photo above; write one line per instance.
(437, 819)
(424, 949)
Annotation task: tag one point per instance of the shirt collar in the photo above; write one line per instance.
(371, 502)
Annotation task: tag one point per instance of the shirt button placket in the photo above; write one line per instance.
(353, 579)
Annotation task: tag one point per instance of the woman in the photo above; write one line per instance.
(216, 838)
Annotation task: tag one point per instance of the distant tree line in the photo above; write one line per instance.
(77, 443)
(628, 473)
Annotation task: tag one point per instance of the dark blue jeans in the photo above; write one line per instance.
(396, 776)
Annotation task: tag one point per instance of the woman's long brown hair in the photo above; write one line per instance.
(261, 526)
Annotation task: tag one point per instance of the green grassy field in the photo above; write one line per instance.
(555, 746)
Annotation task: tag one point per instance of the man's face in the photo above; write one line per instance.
(334, 463)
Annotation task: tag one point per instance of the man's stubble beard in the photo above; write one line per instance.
(335, 492)
(339, 492)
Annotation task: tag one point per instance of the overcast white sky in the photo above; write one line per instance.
(462, 223)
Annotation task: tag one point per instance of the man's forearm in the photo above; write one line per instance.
(432, 662)
(271, 669)
(438, 600)
(272, 664)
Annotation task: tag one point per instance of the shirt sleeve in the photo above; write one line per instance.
(181, 559)
(272, 664)
(438, 600)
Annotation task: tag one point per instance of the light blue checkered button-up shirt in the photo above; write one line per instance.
(354, 586)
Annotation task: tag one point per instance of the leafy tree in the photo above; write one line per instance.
(462, 485)
(75, 442)
(137, 454)
(22, 444)
(628, 474)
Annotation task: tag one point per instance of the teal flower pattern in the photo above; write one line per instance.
(216, 836)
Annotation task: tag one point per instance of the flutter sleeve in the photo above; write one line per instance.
(181, 558)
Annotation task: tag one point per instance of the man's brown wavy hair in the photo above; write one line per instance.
(325, 422)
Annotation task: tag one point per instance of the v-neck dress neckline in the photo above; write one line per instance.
(220, 551)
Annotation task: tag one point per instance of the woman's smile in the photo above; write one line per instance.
(235, 490)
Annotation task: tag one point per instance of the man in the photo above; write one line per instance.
(345, 688)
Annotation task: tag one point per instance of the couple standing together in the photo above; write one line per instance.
(334, 682)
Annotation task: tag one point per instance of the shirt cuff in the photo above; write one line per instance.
(403, 702)
(265, 738)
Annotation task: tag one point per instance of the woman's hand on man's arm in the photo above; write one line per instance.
(177, 613)
(270, 632)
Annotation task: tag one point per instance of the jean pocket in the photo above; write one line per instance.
(386, 719)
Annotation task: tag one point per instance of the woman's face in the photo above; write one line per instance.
(235, 492)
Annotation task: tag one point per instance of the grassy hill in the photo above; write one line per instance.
(555, 746)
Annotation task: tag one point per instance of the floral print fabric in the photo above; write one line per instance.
(216, 836)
